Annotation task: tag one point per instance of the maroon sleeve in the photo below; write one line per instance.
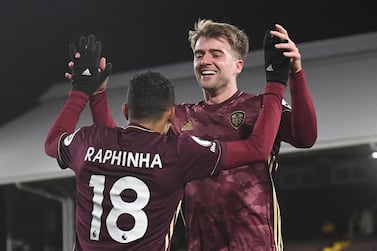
(100, 110)
(299, 127)
(66, 121)
(259, 144)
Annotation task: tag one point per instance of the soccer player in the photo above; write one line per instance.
(130, 181)
(246, 217)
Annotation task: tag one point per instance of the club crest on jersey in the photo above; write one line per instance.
(237, 118)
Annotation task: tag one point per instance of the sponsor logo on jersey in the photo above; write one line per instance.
(285, 103)
(202, 142)
(205, 143)
(237, 118)
(68, 140)
(188, 126)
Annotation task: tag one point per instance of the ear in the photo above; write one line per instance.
(125, 110)
(239, 65)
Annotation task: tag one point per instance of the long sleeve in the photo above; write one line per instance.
(100, 110)
(258, 145)
(299, 127)
(66, 121)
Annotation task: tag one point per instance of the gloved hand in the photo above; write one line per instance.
(276, 65)
(86, 75)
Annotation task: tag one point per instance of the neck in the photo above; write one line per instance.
(160, 126)
(213, 98)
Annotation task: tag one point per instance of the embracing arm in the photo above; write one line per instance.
(257, 147)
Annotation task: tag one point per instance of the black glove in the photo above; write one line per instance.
(86, 76)
(276, 65)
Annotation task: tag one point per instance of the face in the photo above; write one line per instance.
(216, 66)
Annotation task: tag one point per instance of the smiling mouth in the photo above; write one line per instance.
(207, 73)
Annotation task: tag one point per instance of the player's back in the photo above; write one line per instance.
(130, 184)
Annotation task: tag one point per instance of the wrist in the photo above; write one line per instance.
(99, 91)
(98, 95)
(85, 85)
(77, 99)
(77, 94)
(295, 66)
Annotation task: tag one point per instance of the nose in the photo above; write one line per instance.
(206, 59)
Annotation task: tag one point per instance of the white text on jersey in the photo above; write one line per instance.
(121, 158)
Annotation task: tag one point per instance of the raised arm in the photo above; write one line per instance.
(258, 146)
(298, 127)
(98, 100)
(100, 110)
(66, 121)
(99, 106)
(86, 80)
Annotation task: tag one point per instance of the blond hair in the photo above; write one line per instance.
(236, 37)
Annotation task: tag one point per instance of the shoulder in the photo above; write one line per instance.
(248, 101)
(99, 129)
(185, 110)
(91, 133)
(185, 106)
(249, 97)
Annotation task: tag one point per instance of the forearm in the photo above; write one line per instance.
(66, 121)
(100, 110)
(303, 115)
(259, 144)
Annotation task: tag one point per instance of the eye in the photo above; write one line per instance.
(198, 55)
(217, 54)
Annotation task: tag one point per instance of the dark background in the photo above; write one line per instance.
(137, 34)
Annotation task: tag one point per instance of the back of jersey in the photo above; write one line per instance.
(130, 184)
